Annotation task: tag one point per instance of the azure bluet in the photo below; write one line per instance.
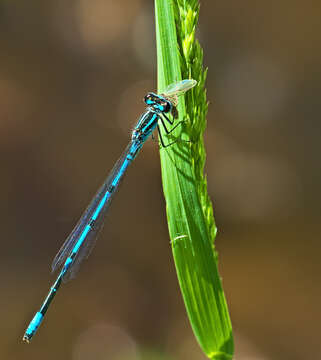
(82, 239)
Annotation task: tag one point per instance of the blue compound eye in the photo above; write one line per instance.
(149, 99)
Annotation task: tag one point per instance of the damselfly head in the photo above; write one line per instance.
(158, 102)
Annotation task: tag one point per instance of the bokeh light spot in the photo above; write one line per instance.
(105, 342)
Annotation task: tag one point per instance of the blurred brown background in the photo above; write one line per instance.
(72, 78)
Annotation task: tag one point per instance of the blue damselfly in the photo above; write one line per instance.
(82, 239)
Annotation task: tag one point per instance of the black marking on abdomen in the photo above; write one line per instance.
(111, 188)
(92, 223)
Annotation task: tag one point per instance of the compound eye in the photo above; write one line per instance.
(149, 99)
(168, 107)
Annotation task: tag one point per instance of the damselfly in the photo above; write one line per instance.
(82, 239)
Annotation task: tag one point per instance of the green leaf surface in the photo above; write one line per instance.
(189, 210)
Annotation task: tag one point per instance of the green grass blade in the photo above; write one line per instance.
(189, 210)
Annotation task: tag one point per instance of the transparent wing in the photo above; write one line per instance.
(180, 87)
(86, 247)
(90, 240)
